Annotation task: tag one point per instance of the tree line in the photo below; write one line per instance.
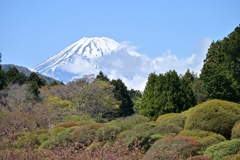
(219, 79)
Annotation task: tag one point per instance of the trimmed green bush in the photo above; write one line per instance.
(86, 134)
(236, 130)
(175, 118)
(138, 134)
(107, 133)
(236, 157)
(55, 131)
(223, 149)
(198, 158)
(32, 139)
(179, 147)
(205, 138)
(128, 123)
(65, 136)
(165, 129)
(196, 133)
(67, 124)
(214, 115)
(49, 144)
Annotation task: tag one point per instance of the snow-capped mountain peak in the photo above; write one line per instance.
(87, 48)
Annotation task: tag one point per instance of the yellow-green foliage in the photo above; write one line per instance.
(107, 133)
(236, 130)
(65, 136)
(29, 138)
(86, 134)
(223, 149)
(67, 124)
(165, 129)
(206, 138)
(174, 118)
(129, 122)
(214, 115)
(236, 157)
(138, 134)
(56, 130)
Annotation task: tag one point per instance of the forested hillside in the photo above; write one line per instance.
(177, 116)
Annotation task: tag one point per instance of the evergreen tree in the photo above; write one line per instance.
(166, 93)
(3, 80)
(220, 72)
(102, 77)
(122, 95)
(188, 95)
(34, 78)
(0, 61)
(15, 77)
(148, 97)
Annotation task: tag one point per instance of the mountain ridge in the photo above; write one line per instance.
(85, 50)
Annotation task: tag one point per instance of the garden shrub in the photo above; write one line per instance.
(107, 133)
(222, 149)
(86, 134)
(128, 123)
(179, 147)
(15, 136)
(236, 130)
(214, 115)
(205, 138)
(175, 118)
(67, 124)
(138, 134)
(198, 158)
(49, 144)
(165, 129)
(55, 131)
(211, 140)
(31, 138)
(65, 136)
(236, 157)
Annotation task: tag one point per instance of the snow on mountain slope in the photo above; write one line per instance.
(86, 50)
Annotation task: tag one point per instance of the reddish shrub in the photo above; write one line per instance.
(173, 148)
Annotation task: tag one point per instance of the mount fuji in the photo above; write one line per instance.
(116, 60)
(89, 56)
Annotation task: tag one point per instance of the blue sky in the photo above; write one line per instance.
(33, 31)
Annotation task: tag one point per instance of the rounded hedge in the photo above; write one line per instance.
(205, 138)
(223, 149)
(178, 147)
(165, 129)
(174, 118)
(214, 115)
(128, 123)
(86, 134)
(138, 134)
(198, 158)
(107, 133)
(67, 124)
(236, 130)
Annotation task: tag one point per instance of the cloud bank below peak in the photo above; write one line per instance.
(134, 68)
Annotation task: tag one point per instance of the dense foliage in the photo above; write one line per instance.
(214, 115)
(166, 93)
(176, 117)
(220, 73)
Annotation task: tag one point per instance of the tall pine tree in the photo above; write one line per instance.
(121, 94)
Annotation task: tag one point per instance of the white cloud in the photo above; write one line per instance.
(134, 68)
